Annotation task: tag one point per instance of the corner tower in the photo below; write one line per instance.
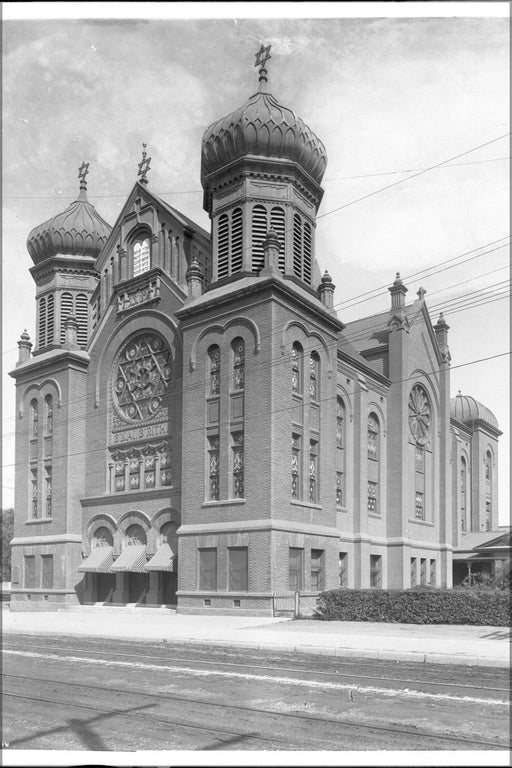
(261, 169)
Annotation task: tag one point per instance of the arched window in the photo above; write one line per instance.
(66, 309)
(82, 317)
(214, 363)
(314, 384)
(420, 417)
(34, 411)
(238, 348)
(135, 535)
(277, 223)
(168, 536)
(373, 464)
(223, 246)
(49, 414)
(50, 320)
(297, 368)
(463, 481)
(102, 537)
(340, 459)
(259, 232)
(297, 246)
(236, 240)
(141, 256)
(42, 323)
(488, 466)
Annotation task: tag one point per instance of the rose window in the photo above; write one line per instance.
(142, 377)
(419, 414)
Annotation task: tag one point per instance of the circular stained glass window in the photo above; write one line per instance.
(142, 375)
(419, 414)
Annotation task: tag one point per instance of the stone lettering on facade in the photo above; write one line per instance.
(129, 300)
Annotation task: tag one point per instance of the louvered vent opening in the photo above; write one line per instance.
(94, 315)
(66, 309)
(259, 231)
(50, 320)
(223, 247)
(82, 316)
(236, 241)
(297, 246)
(42, 323)
(277, 223)
(307, 253)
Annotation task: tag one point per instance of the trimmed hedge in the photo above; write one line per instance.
(417, 606)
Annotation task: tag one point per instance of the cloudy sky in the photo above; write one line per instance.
(388, 96)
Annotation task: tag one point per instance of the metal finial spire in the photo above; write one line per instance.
(262, 56)
(82, 173)
(144, 166)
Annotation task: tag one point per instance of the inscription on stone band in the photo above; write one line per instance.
(139, 433)
(147, 293)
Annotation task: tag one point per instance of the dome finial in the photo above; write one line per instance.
(262, 56)
(82, 173)
(144, 166)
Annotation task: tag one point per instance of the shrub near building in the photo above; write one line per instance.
(414, 606)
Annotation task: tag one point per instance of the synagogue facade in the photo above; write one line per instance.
(195, 424)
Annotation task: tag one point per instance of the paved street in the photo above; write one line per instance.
(79, 693)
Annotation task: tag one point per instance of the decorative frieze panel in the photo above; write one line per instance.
(144, 294)
(140, 467)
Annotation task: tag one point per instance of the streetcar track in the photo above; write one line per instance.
(413, 731)
(338, 676)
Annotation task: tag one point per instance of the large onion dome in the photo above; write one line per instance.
(77, 231)
(466, 409)
(262, 127)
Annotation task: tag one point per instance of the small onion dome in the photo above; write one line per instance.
(466, 409)
(326, 278)
(264, 128)
(398, 280)
(77, 231)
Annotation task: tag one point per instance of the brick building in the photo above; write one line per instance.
(197, 426)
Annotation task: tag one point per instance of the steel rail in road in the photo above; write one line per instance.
(335, 675)
(418, 733)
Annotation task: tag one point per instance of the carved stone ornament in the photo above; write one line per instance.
(419, 414)
(141, 378)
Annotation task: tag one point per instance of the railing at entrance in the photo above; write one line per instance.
(294, 604)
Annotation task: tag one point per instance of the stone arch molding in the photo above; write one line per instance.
(221, 329)
(118, 336)
(133, 517)
(37, 388)
(309, 334)
(163, 516)
(374, 407)
(98, 520)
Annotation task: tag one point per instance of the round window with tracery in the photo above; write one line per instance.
(419, 414)
(142, 375)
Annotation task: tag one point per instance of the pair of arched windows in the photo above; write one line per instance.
(237, 367)
(48, 416)
(298, 374)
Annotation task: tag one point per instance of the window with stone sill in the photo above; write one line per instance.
(339, 489)
(213, 469)
(340, 423)
(238, 465)
(33, 501)
(313, 471)
(372, 498)
(296, 462)
(420, 506)
(375, 571)
(48, 492)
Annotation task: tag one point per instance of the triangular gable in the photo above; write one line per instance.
(501, 542)
(413, 311)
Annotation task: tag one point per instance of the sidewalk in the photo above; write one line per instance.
(434, 644)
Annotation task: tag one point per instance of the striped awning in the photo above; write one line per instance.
(99, 561)
(163, 560)
(132, 558)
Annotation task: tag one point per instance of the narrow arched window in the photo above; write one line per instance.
(42, 323)
(297, 369)
(277, 223)
(34, 410)
(488, 466)
(238, 348)
(259, 232)
(223, 247)
(236, 240)
(135, 535)
(373, 464)
(66, 309)
(214, 363)
(314, 370)
(50, 320)
(49, 414)
(82, 317)
(340, 458)
(297, 246)
(373, 435)
(141, 256)
(463, 481)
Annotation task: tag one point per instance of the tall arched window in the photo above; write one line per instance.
(314, 383)
(463, 481)
(223, 246)
(259, 232)
(214, 362)
(66, 309)
(488, 491)
(420, 416)
(277, 223)
(238, 348)
(373, 464)
(34, 411)
(340, 458)
(50, 320)
(42, 323)
(488, 466)
(297, 368)
(135, 535)
(82, 317)
(49, 414)
(141, 256)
